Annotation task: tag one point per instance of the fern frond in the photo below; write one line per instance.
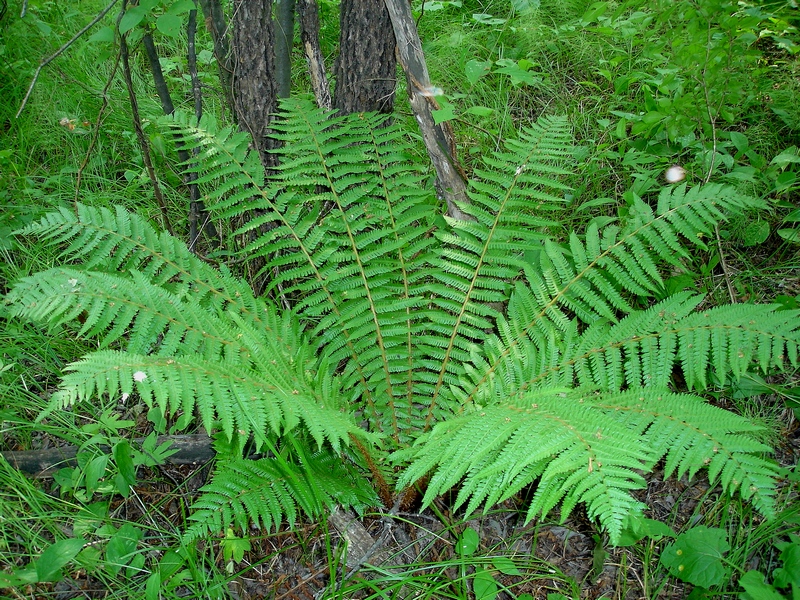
(151, 318)
(267, 491)
(690, 435)
(241, 401)
(577, 452)
(120, 241)
(595, 278)
(587, 448)
(343, 230)
(511, 205)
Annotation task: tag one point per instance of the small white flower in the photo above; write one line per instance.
(139, 376)
(125, 397)
(675, 174)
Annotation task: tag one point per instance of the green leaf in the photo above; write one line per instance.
(740, 141)
(595, 11)
(789, 573)
(480, 111)
(755, 233)
(152, 588)
(487, 19)
(790, 235)
(179, 7)
(123, 456)
(132, 17)
(696, 556)
(787, 157)
(94, 471)
(468, 542)
(121, 548)
(475, 69)
(506, 566)
(523, 6)
(517, 74)
(170, 25)
(103, 35)
(754, 584)
(446, 113)
(484, 585)
(49, 564)
(233, 547)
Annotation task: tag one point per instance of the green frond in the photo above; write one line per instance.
(595, 277)
(589, 449)
(691, 435)
(120, 242)
(111, 306)
(486, 354)
(267, 491)
(577, 452)
(226, 394)
(644, 348)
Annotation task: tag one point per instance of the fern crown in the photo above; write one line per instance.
(483, 355)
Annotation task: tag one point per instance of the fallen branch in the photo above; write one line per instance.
(191, 450)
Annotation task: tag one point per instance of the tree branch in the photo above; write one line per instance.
(60, 51)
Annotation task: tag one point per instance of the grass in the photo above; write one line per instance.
(603, 72)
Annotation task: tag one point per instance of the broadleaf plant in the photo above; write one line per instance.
(408, 349)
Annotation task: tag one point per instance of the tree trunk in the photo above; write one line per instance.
(308, 14)
(215, 23)
(451, 182)
(254, 85)
(366, 67)
(284, 38)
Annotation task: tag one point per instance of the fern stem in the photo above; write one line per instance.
(384, 490)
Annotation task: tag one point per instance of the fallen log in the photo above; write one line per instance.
(191, 450)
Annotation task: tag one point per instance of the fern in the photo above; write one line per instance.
(482, 355)
(269, 490)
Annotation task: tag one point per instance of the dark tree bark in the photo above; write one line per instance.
(197, 211)
(366, 67)
(254, 85)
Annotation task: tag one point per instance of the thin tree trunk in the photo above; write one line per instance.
(144, 144)
(366, 67)
(199, 218)
(254, 85)
(197, 211)
(439, 140)
(216, 25)
(284, 38)
(308, 14)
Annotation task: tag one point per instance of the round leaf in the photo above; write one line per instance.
(696, 556)
(132, 17)
(484, 585)
(468, 542)
(169, 25)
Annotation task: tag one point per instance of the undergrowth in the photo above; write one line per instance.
(394, 352)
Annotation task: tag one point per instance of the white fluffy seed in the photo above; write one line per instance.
(675, 174)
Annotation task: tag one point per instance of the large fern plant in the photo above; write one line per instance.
(394, 347)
